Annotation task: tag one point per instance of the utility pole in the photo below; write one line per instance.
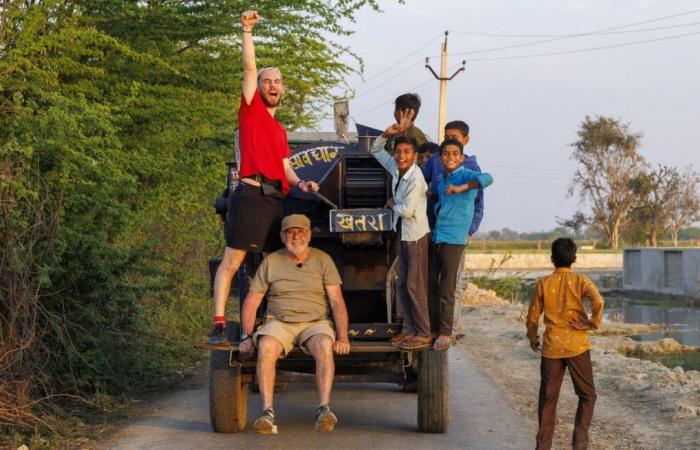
(443, 86)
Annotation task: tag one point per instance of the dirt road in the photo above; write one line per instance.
(370, 416)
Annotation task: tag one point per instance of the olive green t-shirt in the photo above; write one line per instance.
(412, 131)
(296, 294)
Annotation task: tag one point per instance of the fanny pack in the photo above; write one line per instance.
(270, 188)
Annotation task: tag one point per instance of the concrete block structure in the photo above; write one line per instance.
(674, 271)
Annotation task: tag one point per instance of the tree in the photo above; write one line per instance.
(654, 191)
(576, 223)
(608, 159)
(684, 205)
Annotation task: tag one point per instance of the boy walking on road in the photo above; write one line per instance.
(565, 342)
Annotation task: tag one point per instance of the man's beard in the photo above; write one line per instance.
(297, 250)
(270, 104)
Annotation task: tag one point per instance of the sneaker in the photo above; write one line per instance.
(217, 335)
(325, 419)
(265, 424)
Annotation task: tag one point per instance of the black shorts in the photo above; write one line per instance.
(253, 220)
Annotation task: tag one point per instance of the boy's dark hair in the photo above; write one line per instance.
(430, 147)
(451, 141)
(458, 125)
(408, 101)
(563, 252)
(406, 140)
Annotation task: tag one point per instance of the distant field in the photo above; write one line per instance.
(488, 246)
(477, 249)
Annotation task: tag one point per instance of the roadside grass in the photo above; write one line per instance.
(163, 360)
(77, 424)
(514, 287)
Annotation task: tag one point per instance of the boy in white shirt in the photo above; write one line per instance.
(409, 204)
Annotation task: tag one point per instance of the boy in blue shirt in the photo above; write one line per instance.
(432, 169)
(456, 189)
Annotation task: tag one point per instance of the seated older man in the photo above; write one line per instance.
(301, 283)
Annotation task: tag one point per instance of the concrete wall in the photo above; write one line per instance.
(531, 261)
(674, 271)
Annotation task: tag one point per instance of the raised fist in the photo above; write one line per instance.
(249, 18)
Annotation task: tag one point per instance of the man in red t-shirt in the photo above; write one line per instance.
(255, 209)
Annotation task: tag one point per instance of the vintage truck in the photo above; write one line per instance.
(350, 223)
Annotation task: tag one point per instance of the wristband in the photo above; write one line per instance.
(247, 31)
(300, 181)
(244, 336)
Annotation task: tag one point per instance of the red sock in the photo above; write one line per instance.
(219, 320)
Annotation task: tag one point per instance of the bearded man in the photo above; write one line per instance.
(301, 283)
(255, 207)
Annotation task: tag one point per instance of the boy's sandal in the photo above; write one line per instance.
(400, 339)
(417, 343)
(442, 343)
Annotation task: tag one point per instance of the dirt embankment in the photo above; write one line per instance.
(641, 404)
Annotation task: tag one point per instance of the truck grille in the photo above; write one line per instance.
(365, 183)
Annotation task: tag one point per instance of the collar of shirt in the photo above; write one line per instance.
(562, 270)
(446, 175)
(408, 174)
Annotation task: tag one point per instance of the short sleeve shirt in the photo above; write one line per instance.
(296, 294)
(263, 142)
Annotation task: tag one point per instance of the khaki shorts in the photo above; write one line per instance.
(290, 334)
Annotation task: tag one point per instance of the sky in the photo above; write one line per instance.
(524, 112)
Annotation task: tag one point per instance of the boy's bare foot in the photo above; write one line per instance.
(442, 343)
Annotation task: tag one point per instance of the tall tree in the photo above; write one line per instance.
(608, 159)
(684, 206)
(654, 190)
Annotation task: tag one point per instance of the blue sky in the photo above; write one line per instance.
(524, 112)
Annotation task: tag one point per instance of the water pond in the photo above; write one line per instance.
(680, 316)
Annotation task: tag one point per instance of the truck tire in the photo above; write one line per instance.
(433, 392)
(228, 395)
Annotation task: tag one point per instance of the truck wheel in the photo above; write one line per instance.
(228, 395)
(433, 392)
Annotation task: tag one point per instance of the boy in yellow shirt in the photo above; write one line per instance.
(565, 342)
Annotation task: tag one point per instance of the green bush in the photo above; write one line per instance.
(511, 286)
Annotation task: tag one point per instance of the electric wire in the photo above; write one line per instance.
(608, 30)
(507, 35)
(413, 89)
(571, 36)
(393, 65)
(398, 74)
(584, 50)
